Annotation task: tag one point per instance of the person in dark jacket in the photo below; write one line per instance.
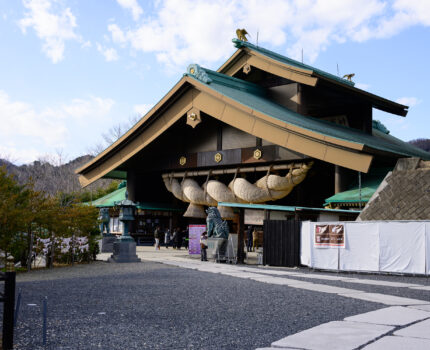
(157, 234)
(249, 237)
(179, 236)
(185, 238)
(175, 238)
(167, 238)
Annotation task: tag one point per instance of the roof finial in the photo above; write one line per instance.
(241, 34)
(349, 76)
(199, 73)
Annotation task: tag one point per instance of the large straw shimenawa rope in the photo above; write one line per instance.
(269, 187)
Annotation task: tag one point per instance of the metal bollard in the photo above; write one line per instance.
(8, 298)
(45, 315)
(18, 304)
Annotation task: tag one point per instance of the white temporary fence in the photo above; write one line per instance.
(372, 246)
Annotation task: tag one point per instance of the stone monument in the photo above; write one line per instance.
(124, 248)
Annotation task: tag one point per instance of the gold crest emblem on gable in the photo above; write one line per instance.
(193, 117)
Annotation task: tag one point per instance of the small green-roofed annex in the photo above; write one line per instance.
(352, 197)
(112, 199)
(356, 196)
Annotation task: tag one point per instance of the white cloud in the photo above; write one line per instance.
(19, 155)
(180, 32)
(96, 107)
(52, 24)
(20, 120)
(362, 86)
(117, 34)
(28, 132)
(133, 6)
(110, 54)
(408, 101)
(142, 109)
(86, 44)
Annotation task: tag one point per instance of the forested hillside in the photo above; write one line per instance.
(53, 179)
(421, 143)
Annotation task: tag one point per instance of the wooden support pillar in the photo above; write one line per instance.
(339, 179)
(132, 183)
(240, 235)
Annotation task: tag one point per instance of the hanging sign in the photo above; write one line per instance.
(195, 231)
(328, 236)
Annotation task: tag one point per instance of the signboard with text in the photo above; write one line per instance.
(195, 231)
(328, 236)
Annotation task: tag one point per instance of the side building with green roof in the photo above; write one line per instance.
(147, 216)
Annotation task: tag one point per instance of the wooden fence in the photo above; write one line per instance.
(281, 244)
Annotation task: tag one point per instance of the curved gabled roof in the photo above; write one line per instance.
(244, 106)
(253, 97)
(290, 69)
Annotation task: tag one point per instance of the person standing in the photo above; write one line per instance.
(175, 238)
(179, 239)
(167, 238)
(249, 238)
(157, 234)
(203, 247)
(185, 238)
(254, 239)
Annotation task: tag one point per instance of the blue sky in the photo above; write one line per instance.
(72, 69)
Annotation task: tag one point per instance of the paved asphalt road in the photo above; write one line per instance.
(154, 306)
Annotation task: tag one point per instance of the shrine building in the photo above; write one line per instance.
(262, 130)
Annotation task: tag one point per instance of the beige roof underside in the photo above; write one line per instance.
(244, 56)
(308, 77)
(200, 96)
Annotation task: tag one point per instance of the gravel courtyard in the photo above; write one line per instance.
(154, 306)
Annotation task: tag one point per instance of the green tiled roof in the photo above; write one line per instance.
(119, 195)
(253, 96)
(110, 199)
(282, 207)
(353, 195)
(273, 55)
(369, 185)
(157, 206)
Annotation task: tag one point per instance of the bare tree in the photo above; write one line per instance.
(114, 133)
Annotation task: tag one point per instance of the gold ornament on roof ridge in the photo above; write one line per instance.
(241, 34)
(349, 76)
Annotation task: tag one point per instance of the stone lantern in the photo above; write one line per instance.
(126, 215)
(124, 249)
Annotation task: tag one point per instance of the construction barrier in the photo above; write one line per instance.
(369, 246)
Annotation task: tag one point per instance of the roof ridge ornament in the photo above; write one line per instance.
(199, 73)
(241, 34)
(377, 124)
(238, 43)
(349, 76)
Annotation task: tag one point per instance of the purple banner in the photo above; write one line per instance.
(195, 232)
